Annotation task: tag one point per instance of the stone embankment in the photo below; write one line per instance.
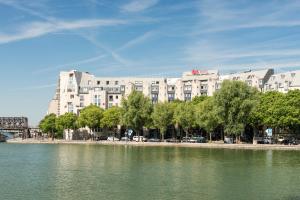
(162, 144)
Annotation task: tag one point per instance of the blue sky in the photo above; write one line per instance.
(136, 38)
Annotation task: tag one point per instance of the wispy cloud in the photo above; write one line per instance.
(37, 29)
(138, 5)
(138, 40)
(35, 87)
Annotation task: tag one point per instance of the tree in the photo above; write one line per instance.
(137, 111)
(207, 115)
(290, 111)
(234, 103)
(112, 118)
(162, 117)
(48, 125)
(184, 116)
(198, 99)
(90, 117)
(66, 121)
(268, 110)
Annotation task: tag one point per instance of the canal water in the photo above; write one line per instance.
(73, 172)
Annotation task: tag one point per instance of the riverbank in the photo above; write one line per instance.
(163, 144)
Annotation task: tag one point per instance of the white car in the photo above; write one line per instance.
(112, 139)
(136, 138)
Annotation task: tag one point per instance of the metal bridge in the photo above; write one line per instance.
(13, 127)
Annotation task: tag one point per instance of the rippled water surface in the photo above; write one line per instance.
(71, 172)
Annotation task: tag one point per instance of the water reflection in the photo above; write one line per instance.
(127, 172)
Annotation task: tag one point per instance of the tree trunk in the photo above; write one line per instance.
(210, 137)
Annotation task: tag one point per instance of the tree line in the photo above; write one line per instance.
(230, 110)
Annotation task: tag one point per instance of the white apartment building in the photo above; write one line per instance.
(76, 90)
(256, 78)
(283, 82)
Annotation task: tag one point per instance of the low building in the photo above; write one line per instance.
(283, 82)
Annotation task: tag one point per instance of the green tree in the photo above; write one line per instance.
(48, 125)
(290, 111)
(198, 99)
(207, 115)
(268, 111)
(112, 118)
(66, 121)
(234, 103)
(137, 111)
(162, 117)
(90, 117)
(184, 116)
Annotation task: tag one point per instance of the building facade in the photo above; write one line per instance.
(76, 90)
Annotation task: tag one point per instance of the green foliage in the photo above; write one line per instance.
(91, 117)
(268, 110)
(48, 124)
(207, 116)
(234, 103)
(137, 111)
(184, 115)
(111, 117)
(198, 99)
(66, 121)
(162, 116)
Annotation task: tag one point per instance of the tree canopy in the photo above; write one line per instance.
(137, 111)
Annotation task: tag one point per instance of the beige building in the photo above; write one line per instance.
(283, 82)
(256, 78)
(76, 90)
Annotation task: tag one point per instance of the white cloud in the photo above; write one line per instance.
(37, 29)
(138, 5)
(137, 40)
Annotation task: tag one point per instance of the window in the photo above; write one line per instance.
(81, 104)
(171, 97)
(81, 98)
(111, 98)
(70, 107)
(187, 96)
(71, 96)
(110, 105)
(107, 82)
(154, 98)
(116, 82)
(117, 97)
(98, 82)
(293, 75)
(97, 100)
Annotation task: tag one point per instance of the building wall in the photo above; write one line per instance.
(77, 90)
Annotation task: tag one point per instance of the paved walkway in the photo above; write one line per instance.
(166, 144)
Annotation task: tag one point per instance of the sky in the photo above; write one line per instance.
(38, 39)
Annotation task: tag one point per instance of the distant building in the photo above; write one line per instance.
(254, 78)
(283, 82)
(76, 90)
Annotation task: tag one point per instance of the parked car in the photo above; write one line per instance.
(199, 139)
(280, 139)
(139, 139)
(228, 140)
(101, 137)
(125, 139)
(290, 141)
(171, 140)
(113, 139)
(153, 140)
(185, 139)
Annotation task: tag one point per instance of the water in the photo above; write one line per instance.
(71, 172)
